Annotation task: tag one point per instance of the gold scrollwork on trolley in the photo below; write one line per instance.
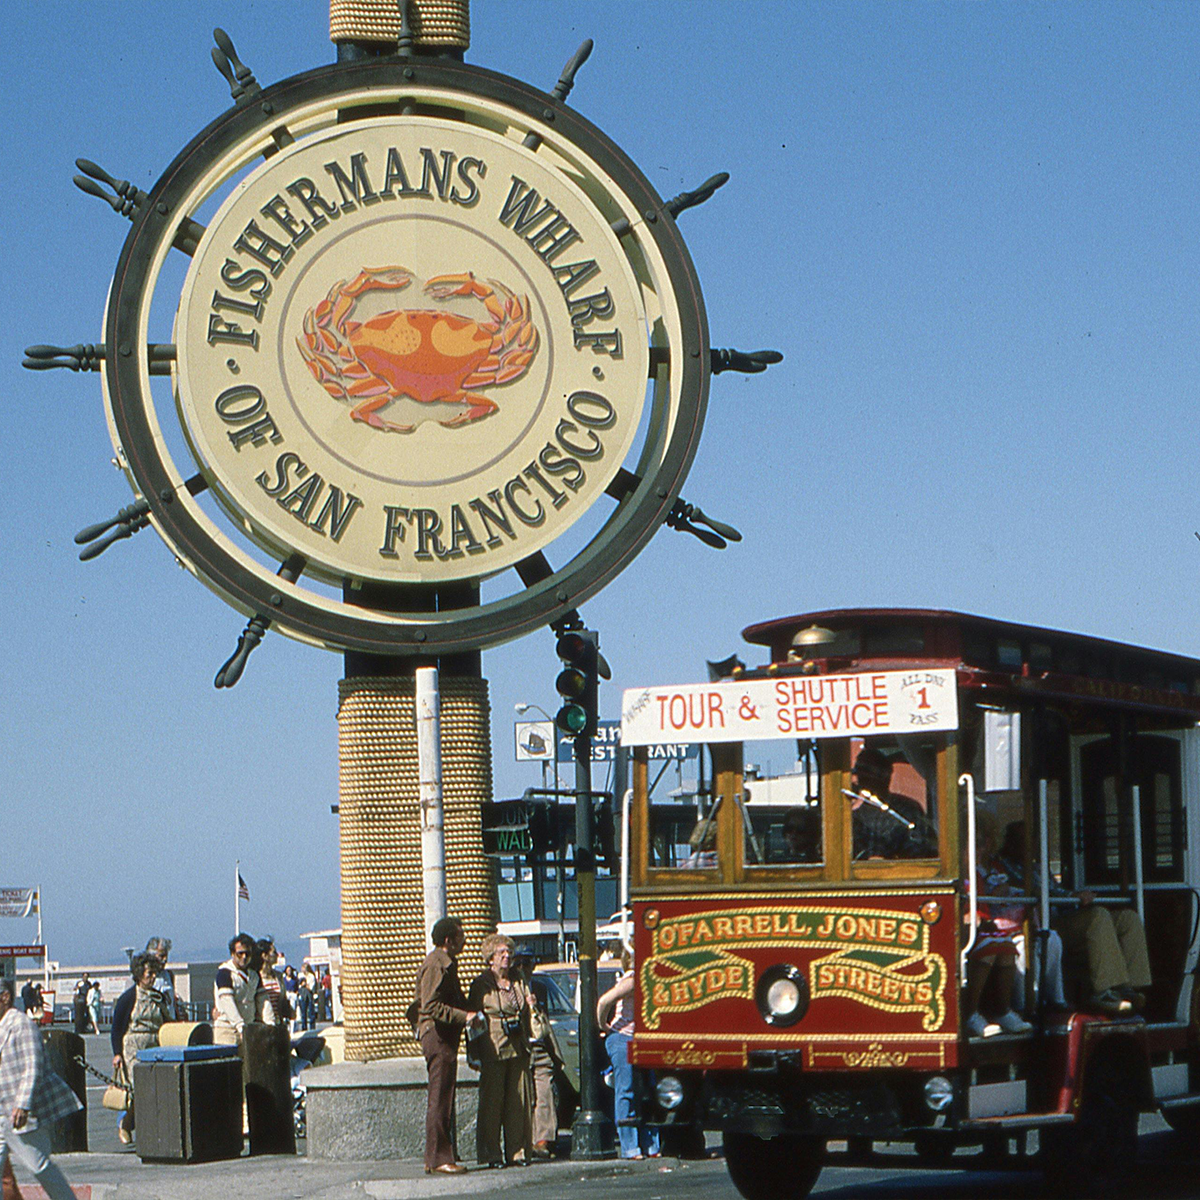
(875, 1056)
(689, 1055)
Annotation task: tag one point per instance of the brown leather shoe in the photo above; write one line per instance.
(450, 1169)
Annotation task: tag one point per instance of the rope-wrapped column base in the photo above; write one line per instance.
(434, 22)
(383, 919)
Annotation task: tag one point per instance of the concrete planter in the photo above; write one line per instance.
(376, 1111)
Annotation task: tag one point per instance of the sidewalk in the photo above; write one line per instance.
(126, 1177)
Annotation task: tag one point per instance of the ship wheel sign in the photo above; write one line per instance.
(433, 321)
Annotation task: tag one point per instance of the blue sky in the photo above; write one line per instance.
(970, 228)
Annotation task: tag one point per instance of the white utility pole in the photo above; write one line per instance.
(429, 766)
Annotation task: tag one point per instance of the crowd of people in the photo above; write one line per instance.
(511, 1043)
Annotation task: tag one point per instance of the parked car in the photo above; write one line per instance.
(566, 976)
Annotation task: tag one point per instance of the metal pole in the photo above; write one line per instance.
(42, 943)
(429, 768)
(560, 864)
(1139, 881)
(1044, 852)
(592, 1133)
(967, 781)
(237, 896)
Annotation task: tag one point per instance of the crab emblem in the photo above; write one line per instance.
(431, 356)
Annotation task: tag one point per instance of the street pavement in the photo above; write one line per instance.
(1168, 1168)
(124, 1177)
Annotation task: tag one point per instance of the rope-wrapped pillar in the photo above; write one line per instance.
(383, 934)
(437, 25)
(383, 927)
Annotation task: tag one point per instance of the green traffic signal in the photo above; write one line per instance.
(572, 718)
(577, 683)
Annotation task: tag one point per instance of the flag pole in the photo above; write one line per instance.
(42, 943)
(237, 897)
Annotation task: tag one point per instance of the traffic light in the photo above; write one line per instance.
(577, 682)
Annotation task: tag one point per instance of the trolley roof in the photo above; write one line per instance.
(1016, 660)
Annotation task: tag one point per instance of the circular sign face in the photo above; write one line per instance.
(409, 351)
(433, 318)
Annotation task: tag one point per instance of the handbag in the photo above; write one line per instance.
(474, 1041)
(118, 1095)
(539, 1023)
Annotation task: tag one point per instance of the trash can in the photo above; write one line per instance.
(189, 1103)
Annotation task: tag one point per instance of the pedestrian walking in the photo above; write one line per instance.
(325, 1007)
(138, 1015)
(95, 1002)
(636, 1141)
(236, 992)
(32, 1098)
(305, 1001)
(439, 1014)
(545, 1057)
(505, 1085)
(160, 947)
(291, 988)
(273, 1005)
(79, 1006)
(31, 999)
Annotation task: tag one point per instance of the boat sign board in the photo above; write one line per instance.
(864, 704)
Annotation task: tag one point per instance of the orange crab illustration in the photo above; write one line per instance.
(431, 356)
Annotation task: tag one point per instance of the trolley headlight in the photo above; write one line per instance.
(669, 1092)
(782, 994)
(939, 1093)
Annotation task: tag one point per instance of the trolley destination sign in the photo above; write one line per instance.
(810, 706)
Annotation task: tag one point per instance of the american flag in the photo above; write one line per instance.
(243, 890)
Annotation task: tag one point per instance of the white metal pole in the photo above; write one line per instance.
(626, 928)
(237, 896)
(42, 943)
(429, 765)
(968, 782)
(1138, 874)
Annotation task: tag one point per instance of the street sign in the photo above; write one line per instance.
(535, 741)
(810, 706)
(515, 827)
(412, 347)
(608, 737)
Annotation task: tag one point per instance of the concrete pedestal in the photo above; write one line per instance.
(375, 1111)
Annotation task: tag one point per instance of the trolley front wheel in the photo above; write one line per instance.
(778, 1168)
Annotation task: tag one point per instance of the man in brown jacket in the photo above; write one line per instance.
(441, 1014)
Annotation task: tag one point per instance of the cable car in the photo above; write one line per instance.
(935, 893)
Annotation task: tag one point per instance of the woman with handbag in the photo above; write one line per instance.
(505, 1099)
(137, 1017)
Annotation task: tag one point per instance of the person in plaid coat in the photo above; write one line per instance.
(32, 1097)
